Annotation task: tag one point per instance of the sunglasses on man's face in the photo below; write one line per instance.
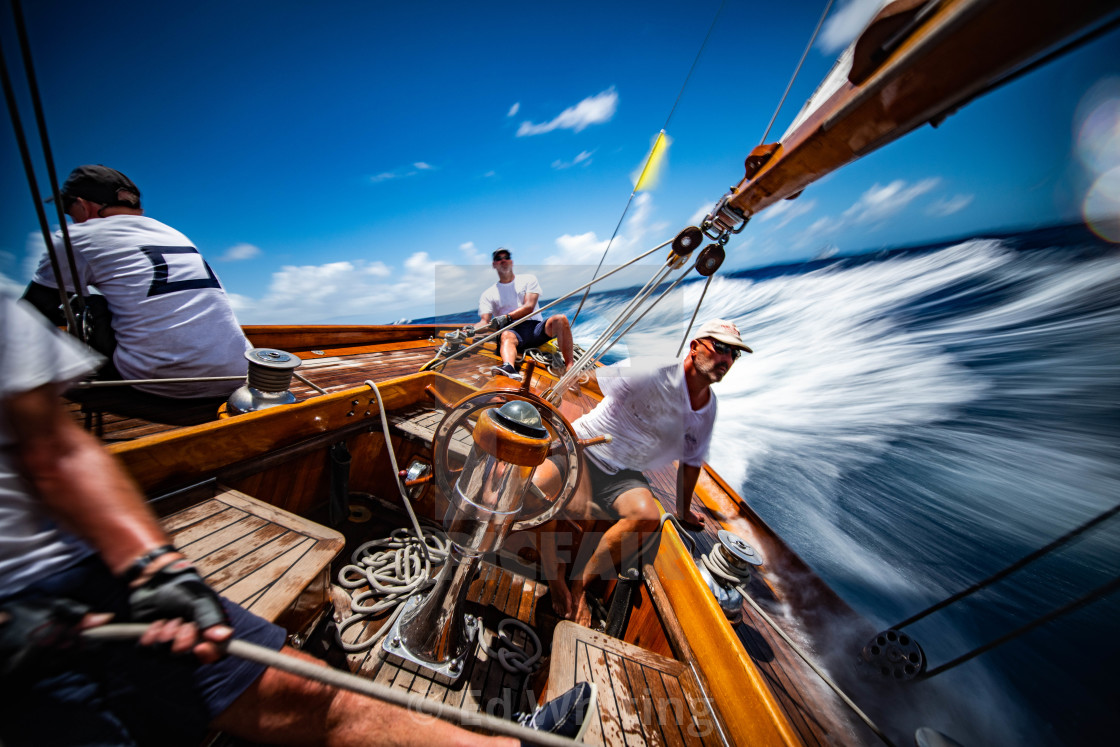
(502, 258)
(68, 202)
(724, 349)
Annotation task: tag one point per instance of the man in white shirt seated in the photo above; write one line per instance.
(513, 298)
(170, 315)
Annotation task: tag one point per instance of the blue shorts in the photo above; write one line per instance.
(530, 335)
(124, 694)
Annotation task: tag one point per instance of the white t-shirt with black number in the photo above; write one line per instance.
(171, 316)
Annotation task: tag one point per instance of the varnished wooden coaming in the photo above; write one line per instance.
(760, 689)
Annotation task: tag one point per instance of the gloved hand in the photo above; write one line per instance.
(500, 322)
(177, 591)
(36, 634)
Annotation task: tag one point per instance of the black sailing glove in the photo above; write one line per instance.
(500, 322)
(177, 591)
(36, 635)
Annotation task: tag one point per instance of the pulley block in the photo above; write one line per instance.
(710, 259)
(687, 240)
(895, 654)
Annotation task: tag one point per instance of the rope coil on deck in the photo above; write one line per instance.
(394, 568)
(512, 656)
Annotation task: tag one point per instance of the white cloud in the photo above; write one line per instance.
(239, 252)
(583, 157)
(514, 109)
(581, 249)
(879, 203)
(365, 292)
(402, 172)
(787, 211)
(847, 22)
(471, 254)
(949, 205)
(584, 248)
(595, 109)
(700, 214)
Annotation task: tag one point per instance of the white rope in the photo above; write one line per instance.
(393, 569)
(396, 469)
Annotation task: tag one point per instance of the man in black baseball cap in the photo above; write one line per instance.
(100, 185)
(171, 317)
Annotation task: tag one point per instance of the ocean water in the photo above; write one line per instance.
(912, 422)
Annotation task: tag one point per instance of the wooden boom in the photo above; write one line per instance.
(917, 62)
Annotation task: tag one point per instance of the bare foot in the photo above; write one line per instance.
(582, 614)
(692, 520)
(561, 598)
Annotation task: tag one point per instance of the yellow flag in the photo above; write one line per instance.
(647, 178)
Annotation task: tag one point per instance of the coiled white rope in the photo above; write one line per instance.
(394, 568)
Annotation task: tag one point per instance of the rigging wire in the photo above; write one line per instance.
(326, 675)
(48, 157)
(797, 70)
(765, 134)
(695, 312)
(1067, 537)
(1098, 593)
(653, 151)
(33, 184)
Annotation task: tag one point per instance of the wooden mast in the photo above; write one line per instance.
(917, 62)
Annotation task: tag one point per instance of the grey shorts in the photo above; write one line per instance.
(606, 488)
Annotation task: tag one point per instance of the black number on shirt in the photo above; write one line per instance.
(162, 282)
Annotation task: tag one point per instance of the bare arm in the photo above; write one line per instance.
(92, 496)
(526, 308)
(81, 484)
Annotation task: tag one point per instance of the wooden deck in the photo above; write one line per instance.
(269, 561)
(643, 698)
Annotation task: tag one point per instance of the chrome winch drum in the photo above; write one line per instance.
(726, 568)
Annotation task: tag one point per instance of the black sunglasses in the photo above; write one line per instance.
(724, 349)
(502, 258)
(67, 202)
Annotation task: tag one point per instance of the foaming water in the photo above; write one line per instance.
(911, 425)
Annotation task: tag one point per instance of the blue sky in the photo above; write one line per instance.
(359, 161)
